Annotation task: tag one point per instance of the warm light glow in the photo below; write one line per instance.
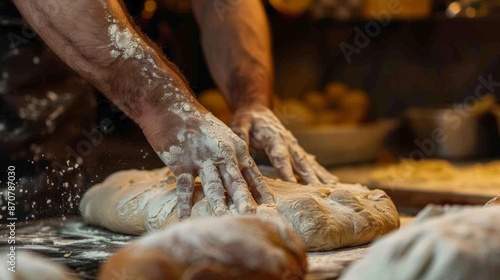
(453, 9)
(150, 6)
(149, 9)
(470, 12)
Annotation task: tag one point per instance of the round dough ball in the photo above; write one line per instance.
(293, 113)
(335, 91)
(330, 117)
(227, 247)
(354, 116)
(460, 244)
(356, 99)
(316, 101)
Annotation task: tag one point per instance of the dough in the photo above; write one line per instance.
(459, 243)
(325, 217)
(213, 248)
(493, 202)
(31, 266)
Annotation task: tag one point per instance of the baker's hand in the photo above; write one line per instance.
(261, 129)
(192, 142)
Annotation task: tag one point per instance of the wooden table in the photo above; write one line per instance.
(411, 197)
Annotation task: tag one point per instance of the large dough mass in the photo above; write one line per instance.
(442, 243)
(325, 217)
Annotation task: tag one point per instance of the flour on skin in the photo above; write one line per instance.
(126, 44)
(259, 126)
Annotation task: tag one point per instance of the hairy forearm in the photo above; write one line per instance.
(99, 42)
(237, 47)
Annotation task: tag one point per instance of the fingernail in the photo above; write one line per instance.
(247, 209)
(221, 210)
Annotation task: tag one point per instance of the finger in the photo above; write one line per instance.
(302, 166)
(214, 190)
(257, 184)
(280, 159)
(237, 188)
(184, 185)
(241, 126)
(324, 175)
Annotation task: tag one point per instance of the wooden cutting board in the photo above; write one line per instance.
(416, 195)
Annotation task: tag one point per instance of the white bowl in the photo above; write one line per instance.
(345, 144)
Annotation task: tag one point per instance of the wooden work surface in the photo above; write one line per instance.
(84, 248)
(416, 195)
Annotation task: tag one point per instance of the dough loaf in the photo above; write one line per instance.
(325, 217)
(442, 243)
(213, 248)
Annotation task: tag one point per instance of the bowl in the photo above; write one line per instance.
(334, 145)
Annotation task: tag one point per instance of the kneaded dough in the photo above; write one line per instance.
(442, 243)
(29, 266)
(230, 247)
(325, 217)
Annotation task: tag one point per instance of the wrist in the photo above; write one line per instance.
(248, 103)
(249, 88)
(168, 108)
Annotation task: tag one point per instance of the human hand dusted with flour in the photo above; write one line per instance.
(192, 142)
(262, 130)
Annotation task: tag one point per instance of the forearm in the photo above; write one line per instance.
(237, 47)
(98, 41)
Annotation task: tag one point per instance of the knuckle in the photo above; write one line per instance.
(240, 144)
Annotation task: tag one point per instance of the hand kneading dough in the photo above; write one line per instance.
(325, 217)
(460, 244)
(213, 248)
(31, 266)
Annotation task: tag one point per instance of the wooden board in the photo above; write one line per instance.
(416, 195)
